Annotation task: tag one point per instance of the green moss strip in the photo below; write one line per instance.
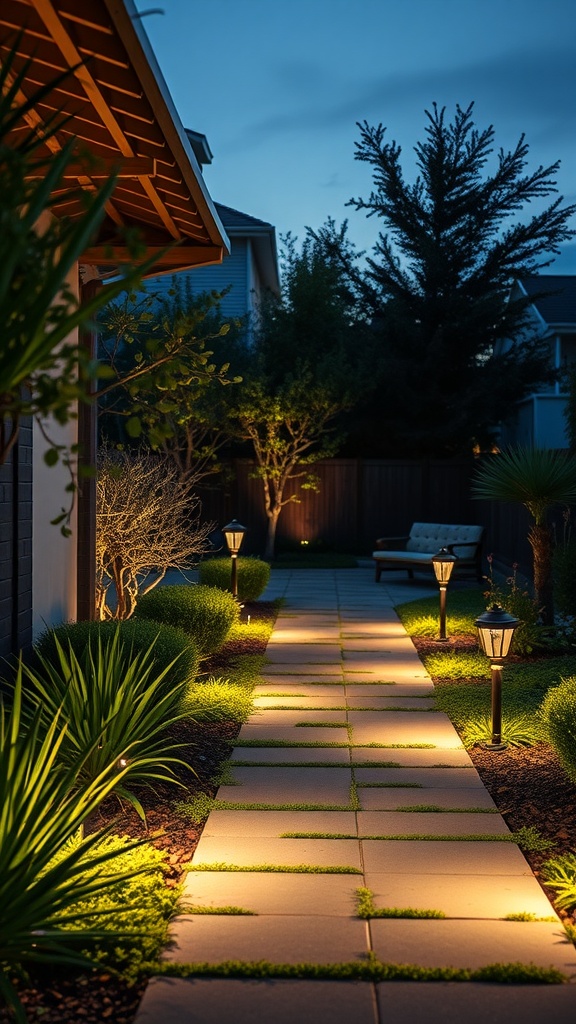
(368, 970)
(228, 911)
(366, 909)
(296, 869)
(228, 805)
(436, 809)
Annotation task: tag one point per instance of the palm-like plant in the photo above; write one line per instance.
(117, 707)
(538, 478)
(42, 809)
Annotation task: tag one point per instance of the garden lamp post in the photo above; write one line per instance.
(443, 563)
(495, 630)
(234, 534)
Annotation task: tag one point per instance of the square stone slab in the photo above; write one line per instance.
(390, 799)
(287, 755)
(379, 823)
(266, 893)
(389, 670)
(415, 757)
(257, 850)
(308, 678)
(464, 896)
(270, 717)
(435, 778)
(279, 939)
(274, 823)
(474, 1002)
(404, 727)
(244, 1001)
(289, 785)
(458, 944)
(301, 668)
(442, 858)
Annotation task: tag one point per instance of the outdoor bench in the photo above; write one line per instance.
(424, 541)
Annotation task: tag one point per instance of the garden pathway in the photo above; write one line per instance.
(344, 741)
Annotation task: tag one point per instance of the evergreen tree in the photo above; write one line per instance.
(438, 284)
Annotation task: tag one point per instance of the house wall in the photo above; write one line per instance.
(234, 271)
(53, 556)
(539, 421)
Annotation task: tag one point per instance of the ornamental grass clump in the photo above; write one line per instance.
(253, 576)
(115, 710)
(558, 713)
(173, 650)
(205, 613)
(44, 801)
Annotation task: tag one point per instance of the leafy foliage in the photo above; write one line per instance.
(253, 576)
(558, 713)
(205, 613)
(539, 478)
(517, 730)
(115, 707)
(438, 283)
(559, 874)
(218, 700)
(165, 386)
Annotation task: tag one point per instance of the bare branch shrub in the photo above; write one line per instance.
(148, 521)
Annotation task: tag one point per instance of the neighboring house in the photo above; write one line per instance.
(539, 419)
(117, 105)
(250, 270)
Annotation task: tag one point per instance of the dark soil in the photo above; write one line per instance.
(527, 784)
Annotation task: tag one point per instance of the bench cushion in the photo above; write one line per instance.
(428, 538)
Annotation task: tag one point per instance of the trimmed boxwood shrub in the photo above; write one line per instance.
(169, 642)
(205, 613)
(558, 712)
(253, 576)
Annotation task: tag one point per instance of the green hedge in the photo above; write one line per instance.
(205, 613)
(253, 576)
(558, 712)
(170, 642)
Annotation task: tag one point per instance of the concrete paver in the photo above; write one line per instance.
(215, 1001)
(248, 851)
(338, 646)
(267, 893)
(456, 944)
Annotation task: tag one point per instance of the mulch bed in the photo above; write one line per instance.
(527, 784)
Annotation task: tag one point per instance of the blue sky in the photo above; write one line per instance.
(277, 86)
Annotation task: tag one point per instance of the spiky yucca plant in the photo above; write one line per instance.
(538, 478)
(116, 707)
(43, 805)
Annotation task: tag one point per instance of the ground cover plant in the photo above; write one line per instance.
(66, 995)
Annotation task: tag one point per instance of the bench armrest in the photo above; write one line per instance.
(462, 544)
(390, 543)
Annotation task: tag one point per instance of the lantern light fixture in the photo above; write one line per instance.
(443, 564)
(234, 535)
(495, 631)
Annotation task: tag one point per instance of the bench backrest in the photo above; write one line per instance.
(430, 537)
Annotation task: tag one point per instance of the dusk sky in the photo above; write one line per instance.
(277, 86)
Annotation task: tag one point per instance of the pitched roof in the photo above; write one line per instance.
(558, 306)
(262, 235)
(119, 110)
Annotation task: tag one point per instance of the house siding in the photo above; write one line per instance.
(233, 271)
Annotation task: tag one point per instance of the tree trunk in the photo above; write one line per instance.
(540, 538)
(269, 549)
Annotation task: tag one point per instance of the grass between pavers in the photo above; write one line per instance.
(525, 915)
(320, 764)
(370, 969)
(366, 910)
(390, 785)
(321, 743)
(437, 809)
(281, 869)
(527, 838)
(218, 911)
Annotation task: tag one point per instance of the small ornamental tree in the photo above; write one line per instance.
(148, 521)
(306, 367)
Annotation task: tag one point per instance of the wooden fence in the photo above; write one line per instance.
(361, 499)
